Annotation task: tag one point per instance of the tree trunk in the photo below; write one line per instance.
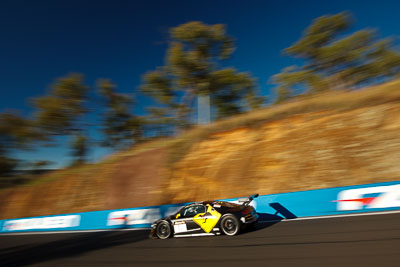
(203, 109)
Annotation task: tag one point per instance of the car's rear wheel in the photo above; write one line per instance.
(163, 230)
(229, 225)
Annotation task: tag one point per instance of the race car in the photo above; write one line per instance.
(207, 218)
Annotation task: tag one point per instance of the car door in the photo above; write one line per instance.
(184, 222)
(207, 220)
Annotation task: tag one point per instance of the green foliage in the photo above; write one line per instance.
(16, 132)
(60, 111)
(79, 148)
(334, 61)
(160, 122)
(57, 112)
(291, 77)
(230, 89)
(321, 32)
(194, 51)
(157, 84)
(194, 55)
(120, 127)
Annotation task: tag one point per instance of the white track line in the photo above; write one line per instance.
(136, 229)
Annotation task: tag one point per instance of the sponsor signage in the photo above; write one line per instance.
(376, 197)
(131, 217)
(52, 222)
(143, 216)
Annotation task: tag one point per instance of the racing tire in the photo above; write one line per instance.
(163, 230)
(229, 225)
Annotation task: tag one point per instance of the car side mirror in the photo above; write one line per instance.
(178, 215)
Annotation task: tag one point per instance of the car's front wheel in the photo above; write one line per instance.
(229, 225)
(163, 230)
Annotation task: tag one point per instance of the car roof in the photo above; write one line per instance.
(215, 203)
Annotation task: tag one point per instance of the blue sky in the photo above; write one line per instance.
(121, 40)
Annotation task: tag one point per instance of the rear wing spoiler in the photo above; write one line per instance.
(245, 201)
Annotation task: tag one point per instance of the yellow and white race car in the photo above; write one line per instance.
(207, 218)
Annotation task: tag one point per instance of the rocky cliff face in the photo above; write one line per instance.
(308, 151)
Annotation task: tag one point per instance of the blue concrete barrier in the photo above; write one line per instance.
(330, 201)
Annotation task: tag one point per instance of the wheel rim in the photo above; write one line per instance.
(229, 226)
(163, 231)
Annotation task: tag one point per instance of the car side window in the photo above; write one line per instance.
(193, 210)
(200, 209)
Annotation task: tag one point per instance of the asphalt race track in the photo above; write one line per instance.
(347, 241)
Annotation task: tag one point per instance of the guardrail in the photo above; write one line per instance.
(330, 201)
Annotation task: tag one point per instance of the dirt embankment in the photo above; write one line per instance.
(309, 151)
(133, 181)
(315, 149)
(137, 181)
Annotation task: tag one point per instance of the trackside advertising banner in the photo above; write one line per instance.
(95, 220)
(331, 201)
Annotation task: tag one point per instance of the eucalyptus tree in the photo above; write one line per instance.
(194, 69)
(60, 112)
(121, 128)
(334, 60)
